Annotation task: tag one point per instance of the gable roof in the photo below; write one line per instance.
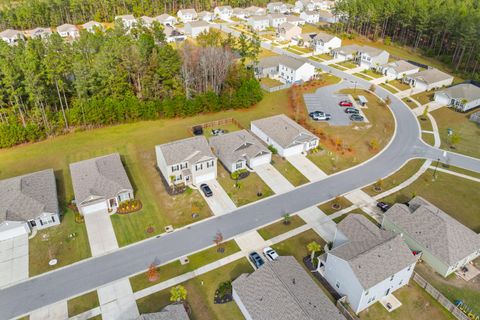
(125, 17)
(350, 49)
(284, 130)
(292, 18)
(66, 27)
(283, 290)
(187, 11)
(255, 10)
(91, 24)
(170, 312)
(10, 33)
(164, 17)
(466, 91)
(443, 236)
(401, 66)
(39, 31)
(322, 36)
(371, 51)
(431, 75)
(277, 16)
(198, 24)
(99, 177)
(259, 18)
(287, 61)
(26, 197)
(191, 149)
(286, 26)
(373, 254)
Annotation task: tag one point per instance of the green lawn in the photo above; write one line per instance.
(269, 82)
(410, 103)
(309, 28)
(278, 228)
(356, 211)
(425, 123)
(337, 66)
(468, 131)
(55, 243)
(428, 138)
(371, 73)
(399, 85)
(424, 97)
(302, 49)
(200, 293)
(405, 172)
(417, 304)
(389, 88)
(361, 75)
(348, 64)
(82, 303)
(297, 246)
(289, 171)
(454, 195)
(459, 170)
(175, 268)
(328, 207)
(324, 56)
(247, 189)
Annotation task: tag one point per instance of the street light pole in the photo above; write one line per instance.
(435, 171)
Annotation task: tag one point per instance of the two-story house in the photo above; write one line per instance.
(194, 28)
(285, 69)
(276, 19)
(223, 12)
(371, 58)
(325, 43)
(311, 17)
(188, 161)
(277, 7)
(287, 31)
(187, 15)
(259, 23)
(255, 11)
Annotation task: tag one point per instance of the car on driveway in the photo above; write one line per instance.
(345, 103)
(206, 190)
(351, 110)
(270, 254)
(256, 259)
(383, 206)
(356, 117)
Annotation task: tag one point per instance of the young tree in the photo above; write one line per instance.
(313, 247)
(286, 218)
(218, 240)
(152, 273)
(178, 294)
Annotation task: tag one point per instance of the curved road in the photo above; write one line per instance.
(89, 274)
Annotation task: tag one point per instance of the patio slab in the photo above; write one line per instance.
(390, 302)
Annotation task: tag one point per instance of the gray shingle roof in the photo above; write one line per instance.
(66, 27)
(125, 17)
(274, 61)
(91, 24)
(350, 49)
(237, 145)
(401, 66)
(198, 24)
(373, 254)
(325, 37)
(371, 51)
(284, 130)
(282, 290)
(99, 177)
(443, 236)
(287, 26)
(467, 91)
(259, 18)
(187, 11)
(430, 76)
(26, 197)
(10, 33)
(170, 312)
(191, 149)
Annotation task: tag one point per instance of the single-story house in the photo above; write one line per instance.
(259, 23)
(206, 16)
(462, 97)
(398, 69)
(371, 58)
(276, 19)
(366, 263)
(174, 311)
(287, 31)
(240, 150)
(295, 20)
(239, 13)
(325, 43)
(187, 15)
(446, 244)
(11, 36)
(223, 12)
(304, 40)
(68, 31)
(255, 11)
(127, 20)
(39, 33)
(277, 7)
(311, 17)
(327, 16)
(166, 20)
(147, 21)
(92, 26)
(282, 289)
(26, 202)
(194, 28)
(173, 35)
(187, 161)
(285, 68)
(346, 52)
(285, 135)
(100, 184)
(429, 79)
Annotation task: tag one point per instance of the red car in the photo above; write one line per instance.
(345, 103)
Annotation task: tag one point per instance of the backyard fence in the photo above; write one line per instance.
(221, 122)
(344, 310)
(277, 88)
(457, 313)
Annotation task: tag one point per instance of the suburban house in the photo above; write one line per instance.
(26, 202)
(285, 69)
(128, 20)
(398, 69)
(325, 43)
(39, 33)
(295, 20)
(11, 36)
(100, 184)
(223, 12)
(369, 57)
(188, 161)
(239, 13)
(346, 52)
(462, 97)
(91, 26)
(304, 5)
(366, 263)
(255, 11)
(173, 35)
(187, 15)
(276, 19)
(68, 31)
(327, 16)
(147, 21)
(259, 23)
(446, 244)
(304, 40)
(429, 79)
(166, 20)
(311, 17)
(285, 135)
(277, 7)
(205, 16)
(240, 150)
(171, 312)
(282, 289)
(287, 31)
(194, 28)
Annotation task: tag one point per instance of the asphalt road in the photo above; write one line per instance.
(95, 272)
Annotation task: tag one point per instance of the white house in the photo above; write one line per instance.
(258, 23)
(311, 17)
(345, 53)
(429, 79)
(147, 21)
(284, 68)
(277, 7)
(240, 150)
(26, 202)
(295, 20)
(92, 26)
(188, 161)
(366, 263)
(304, 5)
(285, 135)
(166, 20)
(173, 35)
(206, 16)
(194, 28)
(327, 16)
(462, 97)
(11, 36)
(446, 244)
(398, 69)
(304, 40)
(127, 20)
(276, 19)
(239, 13)
(325, 43)
(68, 31)
(370, 58)
(223, 12)
(40, 33)
(255, 11)
(187, 15)
(287, 31)
(100, 184)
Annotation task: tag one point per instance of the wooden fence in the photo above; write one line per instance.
(341, 305)
(277, 88)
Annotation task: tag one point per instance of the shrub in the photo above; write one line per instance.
(272, 149)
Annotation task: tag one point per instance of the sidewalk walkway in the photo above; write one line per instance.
(117, 301)
(461, 175)
(56, 311)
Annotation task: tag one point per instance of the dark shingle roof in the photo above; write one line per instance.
(170, 312)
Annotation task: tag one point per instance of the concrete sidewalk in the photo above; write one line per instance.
(307, 167)
(117, 301)
(320, 222)
(56, 311)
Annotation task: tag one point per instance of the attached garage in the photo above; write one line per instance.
(259, 160)
(12, 229)
(204, 177)
(95, 207)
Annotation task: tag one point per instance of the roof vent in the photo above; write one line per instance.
(293, 281)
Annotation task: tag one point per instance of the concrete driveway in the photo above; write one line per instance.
(274, 179)
(100, 233)
(117, 301)
(220, 203)
(13, 260)
(307, 167)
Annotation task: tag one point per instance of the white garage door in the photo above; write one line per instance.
(204, 177)
(14, 231)
(266, 158)
(94, 207)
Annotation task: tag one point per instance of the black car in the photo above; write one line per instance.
(197, 130)
(356, 117)
(383, 206)
(256, 259)
(206, 190)
(351, 110)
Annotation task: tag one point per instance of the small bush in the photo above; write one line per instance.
(272, 149)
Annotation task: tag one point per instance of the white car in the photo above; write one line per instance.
(270, 254)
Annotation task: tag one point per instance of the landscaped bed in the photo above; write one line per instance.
(82, 303)
(280, 227)
(335, 205)
(292, 174)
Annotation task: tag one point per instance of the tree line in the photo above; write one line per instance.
(49, 86)
(446, 29)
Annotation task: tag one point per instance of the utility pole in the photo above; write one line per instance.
(435, 171)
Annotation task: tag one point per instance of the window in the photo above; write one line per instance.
(199, 167)
(337, 284)
(391, 279)
(366, 293)
(174, 168)
(238, 165)
(400, 283)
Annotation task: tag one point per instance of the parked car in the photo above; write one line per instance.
(351, 110)
(316, 113)
(270, 254)
(345, 103)
(217, 132)
(322, 117)
(356, 117)
(206, 190)
(256, 259)
(198, 130)
(383, 206)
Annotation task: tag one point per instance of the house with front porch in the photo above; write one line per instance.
(429, 79)
(398, 69)
(259, 23)
(325, 43)
(188, 161)
(461, 97)
(26, 202)
(100, 184)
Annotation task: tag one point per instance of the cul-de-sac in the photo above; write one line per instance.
(230, 160)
